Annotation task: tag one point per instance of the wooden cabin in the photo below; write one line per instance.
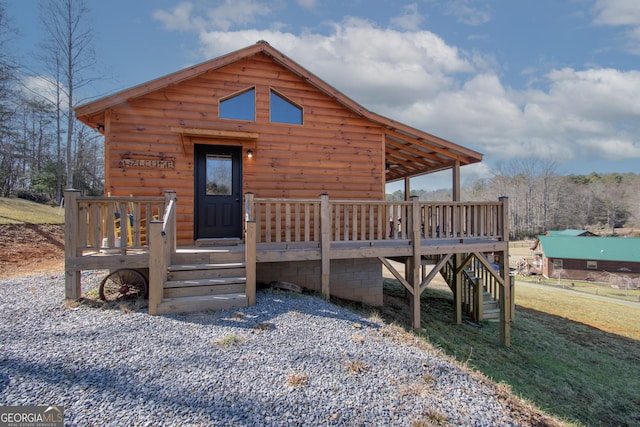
(249, 168)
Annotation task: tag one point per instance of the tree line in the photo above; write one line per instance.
(42, 150)
(541, 200)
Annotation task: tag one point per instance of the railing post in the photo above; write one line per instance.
(170, 195)
(249, 211)
(479, 293)
(416, 259)
(505, 292)
(157, 265)
(72, 281)
(250, 262)
(325, 245)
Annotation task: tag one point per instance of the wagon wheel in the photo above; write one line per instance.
(123, 283)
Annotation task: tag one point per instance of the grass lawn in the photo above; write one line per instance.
(578, 360)
(19, 211)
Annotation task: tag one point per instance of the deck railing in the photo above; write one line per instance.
(110, 224)
(299, 220)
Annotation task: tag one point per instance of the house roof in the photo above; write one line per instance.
(409, 151)
(591, 248)
(569, 233)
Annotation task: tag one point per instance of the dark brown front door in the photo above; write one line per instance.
(218, 192)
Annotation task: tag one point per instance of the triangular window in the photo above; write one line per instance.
(284, 111)
(241, 106)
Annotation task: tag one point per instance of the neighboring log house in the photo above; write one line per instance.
(583, 257)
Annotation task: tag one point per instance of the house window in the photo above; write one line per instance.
(592, 265)
(557, 264)
(219, 176)
(241, 106)
(283, 110)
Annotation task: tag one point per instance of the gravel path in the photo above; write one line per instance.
(290, 360)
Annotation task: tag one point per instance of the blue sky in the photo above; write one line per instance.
(554, 80)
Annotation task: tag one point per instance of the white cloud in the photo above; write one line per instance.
(617, 12)
(468, 11)
(223, 17)
(410, 18)
(43, 88)
(620, 13)
(417, 78)
(372, 65)
(179, 18)
(306, 4)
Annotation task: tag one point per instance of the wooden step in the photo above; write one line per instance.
(209, 255)
(203, 302)
(181, 272)
(182, 267)
(491, 315)
(205, 282)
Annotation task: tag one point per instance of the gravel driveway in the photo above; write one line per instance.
(290, 360)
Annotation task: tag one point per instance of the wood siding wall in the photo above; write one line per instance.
(334, 151)
(576, 269)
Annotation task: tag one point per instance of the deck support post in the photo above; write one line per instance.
(250, 262)
(505, 292)
(415, 260)
(457, 294)
(157, 265)
(72, 277)
(325, 245)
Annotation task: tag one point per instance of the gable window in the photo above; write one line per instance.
(283, 110)
(592, 265)
(241, 106)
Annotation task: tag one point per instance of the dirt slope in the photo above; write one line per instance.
(27, 249)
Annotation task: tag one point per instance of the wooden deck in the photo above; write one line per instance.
(455, 237)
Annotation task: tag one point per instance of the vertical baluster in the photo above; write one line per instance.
(287, 225)
(278, 208)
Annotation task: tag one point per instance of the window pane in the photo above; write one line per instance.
(283, 111)
(240, 107)
(219, 181)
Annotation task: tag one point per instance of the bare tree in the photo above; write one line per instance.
(69, 54)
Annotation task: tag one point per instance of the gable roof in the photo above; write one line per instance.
(591, 248)
(569, 233)
(408, 151)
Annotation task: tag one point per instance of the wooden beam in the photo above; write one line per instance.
(72, 285)
(434, 271)
(397, 274)
(416, 260)
(457, 294)
(250, 262)
(157, 265)
(217, 133)
(455, 185)
(325, 245)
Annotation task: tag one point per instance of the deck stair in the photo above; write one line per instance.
(199, 280)
(490, 305)
(490, 308)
